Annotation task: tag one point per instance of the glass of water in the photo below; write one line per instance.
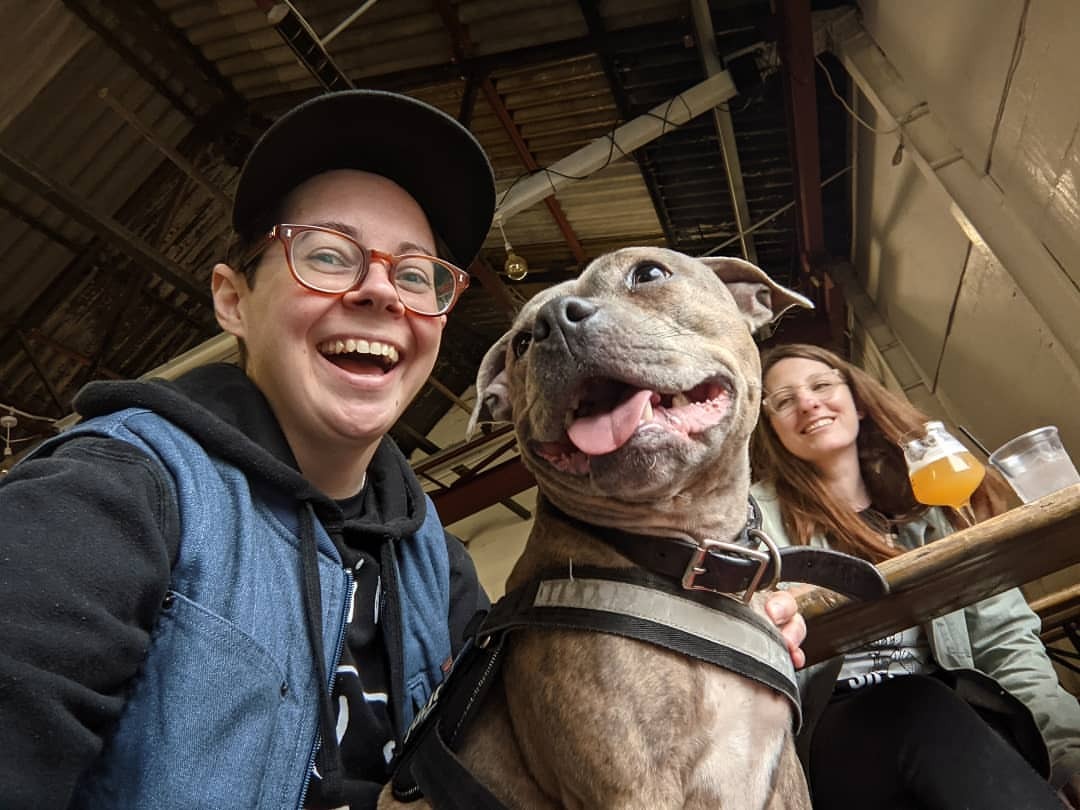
(1035, 464)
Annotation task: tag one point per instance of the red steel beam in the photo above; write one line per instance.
(797, 54)
(467, 497)
(461, 46)
(499, 108)
(796, 40)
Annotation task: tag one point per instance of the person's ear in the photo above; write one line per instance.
(229, 287)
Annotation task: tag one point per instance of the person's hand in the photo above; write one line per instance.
(1070, 792)
(784, 612)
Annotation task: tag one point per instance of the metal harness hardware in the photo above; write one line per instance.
(695, 569)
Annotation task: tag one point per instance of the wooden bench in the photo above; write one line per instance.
(1022, 545)
(1060, 614)
(1057, 610)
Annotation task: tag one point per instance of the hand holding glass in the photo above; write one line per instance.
(943, 472)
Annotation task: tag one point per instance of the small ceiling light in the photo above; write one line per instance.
(516, 268)
(898, 155)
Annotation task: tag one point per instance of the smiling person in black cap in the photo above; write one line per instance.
(230, 590)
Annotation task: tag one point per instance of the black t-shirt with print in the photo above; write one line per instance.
(360, 694)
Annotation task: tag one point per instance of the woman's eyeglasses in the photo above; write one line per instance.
(783, 401)
(328, 261)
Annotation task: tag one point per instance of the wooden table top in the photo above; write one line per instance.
(1023, 544)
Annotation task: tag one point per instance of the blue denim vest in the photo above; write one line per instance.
(224, 711)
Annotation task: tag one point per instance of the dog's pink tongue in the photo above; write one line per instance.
(603, 433)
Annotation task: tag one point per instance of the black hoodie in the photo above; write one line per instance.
(90, 531)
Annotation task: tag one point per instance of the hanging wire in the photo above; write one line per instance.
(612, 149)
(844, 104)
(16, 412)
(507, 247)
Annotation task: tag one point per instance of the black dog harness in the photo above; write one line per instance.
(671, 601)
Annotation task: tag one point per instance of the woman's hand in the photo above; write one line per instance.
(784, 612)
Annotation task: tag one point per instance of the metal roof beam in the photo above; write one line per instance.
(796, 42)
(54, 395)
(460, 46)
(627, 39)
(496, 103)
(595, 23)
(468, 497)
(797, 55)
(725, 129)
(305, 44)
(78, 208)
(146, 39)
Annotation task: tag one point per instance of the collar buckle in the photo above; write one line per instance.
(707, 548)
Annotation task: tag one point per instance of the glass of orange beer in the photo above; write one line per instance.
(943, 472)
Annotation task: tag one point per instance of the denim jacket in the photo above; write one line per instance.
(228, 689)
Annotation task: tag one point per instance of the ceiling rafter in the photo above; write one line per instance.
(116, 41)
(483, 65)
(38, 336)
(78, 208)
(53, 234)
(529, 162)
(461, 46)
(53, 393)
(704, 31)
(594, 21)
(135, 288)
(152, 46)
(300, 37)
(174, 52)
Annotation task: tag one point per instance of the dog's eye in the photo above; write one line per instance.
(647, 272)
(520, 343)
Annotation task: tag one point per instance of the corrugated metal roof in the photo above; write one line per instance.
(205, 77)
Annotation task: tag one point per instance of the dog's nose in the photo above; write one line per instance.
(564, 314)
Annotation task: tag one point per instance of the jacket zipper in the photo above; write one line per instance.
(349, 586)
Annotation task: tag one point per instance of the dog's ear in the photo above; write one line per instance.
(492, 391)
(760, 299)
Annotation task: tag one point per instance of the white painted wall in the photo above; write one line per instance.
(1002, 83)
(976, 340)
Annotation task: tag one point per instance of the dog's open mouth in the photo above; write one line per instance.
(608, 413)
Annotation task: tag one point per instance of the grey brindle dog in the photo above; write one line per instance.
(633, 390)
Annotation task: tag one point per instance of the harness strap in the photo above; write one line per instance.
(635, 604)
(625, 602)
(427, 767)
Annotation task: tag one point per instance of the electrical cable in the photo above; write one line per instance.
(844, 104)
(13, 410)
(614, 146)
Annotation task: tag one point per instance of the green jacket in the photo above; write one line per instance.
(998, 637)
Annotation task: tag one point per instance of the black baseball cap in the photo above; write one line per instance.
(419, 147)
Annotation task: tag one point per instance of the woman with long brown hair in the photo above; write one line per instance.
(910, 720)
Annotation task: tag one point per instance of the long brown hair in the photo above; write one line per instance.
(807, 506)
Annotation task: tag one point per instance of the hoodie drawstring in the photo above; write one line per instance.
(329, 757)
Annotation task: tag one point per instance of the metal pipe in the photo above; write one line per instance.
(630, 136)
(348, 21)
